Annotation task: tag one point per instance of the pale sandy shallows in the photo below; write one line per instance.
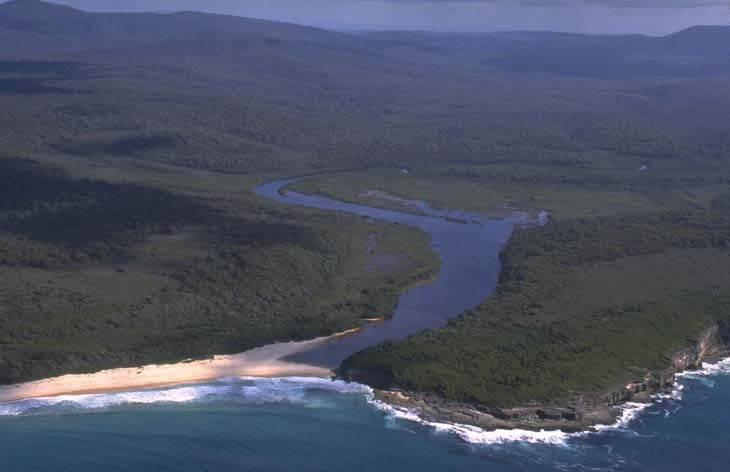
(262, 362)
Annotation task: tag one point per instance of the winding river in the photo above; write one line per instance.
(239, 422)
(469, 250)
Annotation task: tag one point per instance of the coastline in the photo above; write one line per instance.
(266, 361)
(534, 423)
(576, 414)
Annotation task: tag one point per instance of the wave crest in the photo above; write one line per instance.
(708, 370)
(473, 434)
(246, 390)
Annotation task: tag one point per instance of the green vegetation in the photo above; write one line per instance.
(50, 220)
(577, 190)
(242, 96)
(98, 274)
(631, 268)
(128, 233)
(618, 281)
(560, 325)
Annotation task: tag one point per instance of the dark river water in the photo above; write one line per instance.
(299, 424)
(469, 270)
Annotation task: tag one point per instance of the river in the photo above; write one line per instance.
(310, 424)
(470, 267)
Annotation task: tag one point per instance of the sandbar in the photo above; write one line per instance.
(266, 361)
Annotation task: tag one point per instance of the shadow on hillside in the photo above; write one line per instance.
(42, 77)
(45, 204)
(42, 67)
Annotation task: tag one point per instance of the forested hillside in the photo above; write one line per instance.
(101, 273)
(631, 268)
(584, 307)
(239, 95)
(129, 144)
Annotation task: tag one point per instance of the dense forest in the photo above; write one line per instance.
(582, 306)
(99, 274)
(238, 95)
(128, 233)
(631, 267)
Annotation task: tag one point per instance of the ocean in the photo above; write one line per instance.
(297, 424)
(304, 424)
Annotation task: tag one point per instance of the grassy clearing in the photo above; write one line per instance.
(498, 190)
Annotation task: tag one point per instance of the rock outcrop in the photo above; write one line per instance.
(574, 413)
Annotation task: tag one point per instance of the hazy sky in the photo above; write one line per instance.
(586, 16)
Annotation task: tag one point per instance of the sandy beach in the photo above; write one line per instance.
(265, 361)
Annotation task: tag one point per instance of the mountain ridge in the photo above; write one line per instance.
(55, 19)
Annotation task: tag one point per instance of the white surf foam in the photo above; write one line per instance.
(629, 412)
(473, 434)
(249, 390)
(254, 390)
(675, 394)
(708, 370)
(62, 403)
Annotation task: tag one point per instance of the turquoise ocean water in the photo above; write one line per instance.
(319, 425)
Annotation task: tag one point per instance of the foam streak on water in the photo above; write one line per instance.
(629, 412)
(249, 390)
(475, 435)
(298, 390)
(472, 434)
(708, 370)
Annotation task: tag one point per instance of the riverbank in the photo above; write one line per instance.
(276, 360)
(465, 279)
(575, 414)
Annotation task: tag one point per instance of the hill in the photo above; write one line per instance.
(241, 95)
(129, 144)
(102, 30)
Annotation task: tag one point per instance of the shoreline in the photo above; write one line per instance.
(266, 361)
(518, 216)
(578, 414)
(435, 412)
(467, 421)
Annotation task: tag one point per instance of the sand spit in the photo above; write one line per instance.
(266, 361)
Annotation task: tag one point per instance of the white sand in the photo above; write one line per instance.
(262, 362)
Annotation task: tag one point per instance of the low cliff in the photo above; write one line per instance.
(573, 413)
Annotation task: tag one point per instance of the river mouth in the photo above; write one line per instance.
(295, 423)
(468, 244)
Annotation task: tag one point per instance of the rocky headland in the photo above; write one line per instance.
(577, 412)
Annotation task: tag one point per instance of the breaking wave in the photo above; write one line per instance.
(246, 390)
(707, 370)
(304, 391)
(629, 412)
(473, 434)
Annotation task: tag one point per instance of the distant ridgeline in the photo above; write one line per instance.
(242, 95)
